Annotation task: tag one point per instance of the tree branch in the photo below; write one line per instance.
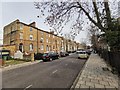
(93, 21)
(97, 13)
(108, 14)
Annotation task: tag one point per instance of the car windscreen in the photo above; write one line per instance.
(45, 54)
(54, 53)
(62, 52)
(81, 52)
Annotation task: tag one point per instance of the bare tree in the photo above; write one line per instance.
(93, 30)
(83, 43)
(61, 13)
(93, 33)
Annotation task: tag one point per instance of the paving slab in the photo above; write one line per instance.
(94, 77)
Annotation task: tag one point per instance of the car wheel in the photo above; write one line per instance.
(51, 59)
(44, 61)
(87, 57)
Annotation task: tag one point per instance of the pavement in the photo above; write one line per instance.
(93, 76)
(5, 68)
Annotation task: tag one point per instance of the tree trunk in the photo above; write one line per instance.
(108, 14)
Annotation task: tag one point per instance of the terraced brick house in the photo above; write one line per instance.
(28, 38)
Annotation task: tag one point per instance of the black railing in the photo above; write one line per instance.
(112, 58)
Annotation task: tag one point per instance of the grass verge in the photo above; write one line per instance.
(14, 62)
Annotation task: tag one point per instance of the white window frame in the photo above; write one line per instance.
(12, 28)
(42, 34)
(42, 47)
(31, 37)
(31, 47)
(49, 35)
(21, 26)
(42, 39)
(47, 48)
(21, 35)
(31, 29)
(47, 40)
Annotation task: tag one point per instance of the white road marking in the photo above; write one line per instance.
(66, 64)
(28, 87)
(54, 71)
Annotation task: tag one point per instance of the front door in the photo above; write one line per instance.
(21, 47)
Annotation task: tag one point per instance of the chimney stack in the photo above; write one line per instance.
(33, 24)
(51, 32)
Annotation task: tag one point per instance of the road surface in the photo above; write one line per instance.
(59, 73)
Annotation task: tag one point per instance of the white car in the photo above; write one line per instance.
(82, 54)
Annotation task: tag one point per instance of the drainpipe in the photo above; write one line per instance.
(37, 41)
(56, 45)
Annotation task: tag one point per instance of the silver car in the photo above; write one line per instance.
(82, 54)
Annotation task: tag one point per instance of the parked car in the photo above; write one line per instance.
(79, 50)
(82, 54)
(38, 56)
(66, 53)
(63, 54)
(50, 56)
(69, 52)
(88, 52)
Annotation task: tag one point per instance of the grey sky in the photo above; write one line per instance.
(25, 12)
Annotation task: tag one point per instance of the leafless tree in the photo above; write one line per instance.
(77, 12)
(93, 33)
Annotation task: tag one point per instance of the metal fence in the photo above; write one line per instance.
(112, 58)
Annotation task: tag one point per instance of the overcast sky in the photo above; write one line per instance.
(26, 12)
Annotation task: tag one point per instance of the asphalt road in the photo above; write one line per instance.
(59, 73)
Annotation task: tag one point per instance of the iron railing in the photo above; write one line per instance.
(112, 58)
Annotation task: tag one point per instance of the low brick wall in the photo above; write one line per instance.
(1, 62)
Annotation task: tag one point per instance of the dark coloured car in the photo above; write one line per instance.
(63, 54)
(38, 56)
(66, 53)
(88, 52)
(50, 56)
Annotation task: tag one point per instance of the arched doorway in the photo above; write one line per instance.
(21, 47)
